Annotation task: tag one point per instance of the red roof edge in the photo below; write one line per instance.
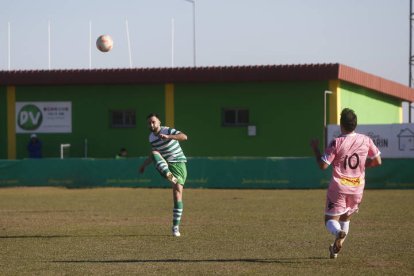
(376, 83)
(255, 73)
(301, 72)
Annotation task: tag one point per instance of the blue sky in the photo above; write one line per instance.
(371, 35)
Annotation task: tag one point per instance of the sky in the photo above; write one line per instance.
(370, 35)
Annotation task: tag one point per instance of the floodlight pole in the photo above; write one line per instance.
(129, 43)
(410, 45)
(48, 40)
(194, 31)
(324, 116)
(90, 44)
(8, 46)
(172, 41)
(411, 60)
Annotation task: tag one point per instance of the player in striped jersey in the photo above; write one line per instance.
(170, 162)
(349, 154)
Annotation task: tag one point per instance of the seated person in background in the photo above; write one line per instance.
(123, 153)
(34, 147)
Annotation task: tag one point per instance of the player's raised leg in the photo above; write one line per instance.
(335, 208)
(334, 227)
(162, 167)
(353, 202)
(345, 227)
(344, 221)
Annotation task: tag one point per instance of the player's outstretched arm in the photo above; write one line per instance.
(373, 162)
(145, 164)
(315, 147)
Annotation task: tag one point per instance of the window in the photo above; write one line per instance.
(122, 118)
(235, 117)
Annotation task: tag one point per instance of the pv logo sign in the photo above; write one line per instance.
(30, 117)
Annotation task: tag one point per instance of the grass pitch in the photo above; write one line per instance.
(122, 231)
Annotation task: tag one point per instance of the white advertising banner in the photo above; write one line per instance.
(43, 117)
(393, 140)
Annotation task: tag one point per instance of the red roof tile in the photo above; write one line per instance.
(302, 72)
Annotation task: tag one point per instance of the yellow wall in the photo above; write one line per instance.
(11, 122)
(334, 102)
(169, 104)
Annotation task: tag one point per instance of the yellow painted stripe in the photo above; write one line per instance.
(169, 104)
(400, 110)
(334, 102)
(11, 122)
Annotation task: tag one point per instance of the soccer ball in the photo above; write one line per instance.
(104, 43)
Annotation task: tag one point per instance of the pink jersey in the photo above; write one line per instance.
(347, 154)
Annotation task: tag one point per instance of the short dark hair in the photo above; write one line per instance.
(348, 119)
(153, 115)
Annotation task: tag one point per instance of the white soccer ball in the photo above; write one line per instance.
(104, 43)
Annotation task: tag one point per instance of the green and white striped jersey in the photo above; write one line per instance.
(170, 150)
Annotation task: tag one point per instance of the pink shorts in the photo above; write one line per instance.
(339, 204)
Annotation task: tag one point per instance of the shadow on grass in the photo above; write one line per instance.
(241, 260)
(77, 236)
(35, 237)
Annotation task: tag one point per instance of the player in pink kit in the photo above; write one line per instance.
(349, 154)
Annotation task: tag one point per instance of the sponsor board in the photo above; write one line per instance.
(43, 117)
(393, 140)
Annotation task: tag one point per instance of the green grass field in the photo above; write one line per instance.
(123, 231)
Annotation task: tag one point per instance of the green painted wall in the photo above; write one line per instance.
(286, 114)
(371, 107)
(3, 122)
(90, 118)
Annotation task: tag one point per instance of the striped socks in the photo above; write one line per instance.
(177, 212)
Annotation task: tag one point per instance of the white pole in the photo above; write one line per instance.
(194, 30)
(8, 44)
(86, 148)
(90, 44)
(324, 117)
(48, 33)
(62, 149)
(129, 43)
(324, 106)
(172, 41)
(194, 34)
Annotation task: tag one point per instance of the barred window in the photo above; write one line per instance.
(122, 118)
(235, 117)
